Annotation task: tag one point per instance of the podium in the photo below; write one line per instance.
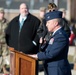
(21, 64)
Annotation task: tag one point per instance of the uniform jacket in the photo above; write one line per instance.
(3, 46)
(22, 41)
(55, 55)
(3, 25)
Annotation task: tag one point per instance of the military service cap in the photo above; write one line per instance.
(53, 15)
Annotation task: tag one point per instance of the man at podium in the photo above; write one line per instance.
(56, 52)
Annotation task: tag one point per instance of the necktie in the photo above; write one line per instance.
(21, 23)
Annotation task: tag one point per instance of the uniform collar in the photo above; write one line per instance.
(56, 31)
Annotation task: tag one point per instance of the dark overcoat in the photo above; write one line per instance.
(22, 41)
(55, 55)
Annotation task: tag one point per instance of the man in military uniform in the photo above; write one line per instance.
(4, 53)
(56, 51)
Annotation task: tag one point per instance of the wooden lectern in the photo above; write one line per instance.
(21, 64)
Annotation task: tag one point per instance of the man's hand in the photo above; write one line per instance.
(42, 40)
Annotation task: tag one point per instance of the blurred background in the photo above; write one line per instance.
(12, 6)
(12, 9)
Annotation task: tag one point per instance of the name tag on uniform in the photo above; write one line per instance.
(51, 41)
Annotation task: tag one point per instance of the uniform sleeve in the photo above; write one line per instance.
(53, 50)
(2, 35)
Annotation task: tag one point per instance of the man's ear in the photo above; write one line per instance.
(56, 23)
